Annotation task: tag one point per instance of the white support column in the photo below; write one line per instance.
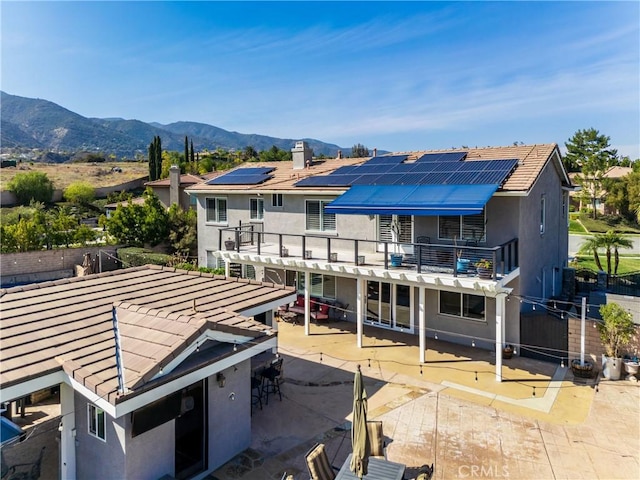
(227, 270)
(360, 309)
(307, 306)
(422, 324)
(67, 435)
(500, 300)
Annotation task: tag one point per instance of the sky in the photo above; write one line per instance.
(396, 76)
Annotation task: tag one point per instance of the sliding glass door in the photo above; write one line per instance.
(389, 305)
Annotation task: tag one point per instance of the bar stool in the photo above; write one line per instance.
(256, 392)
(271, 380)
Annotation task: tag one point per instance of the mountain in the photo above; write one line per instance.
(36, 123)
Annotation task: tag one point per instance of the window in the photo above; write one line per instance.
(321, 285)
(462, 305)
(257, 209)
(462, 227)
(97, 422)
(384, 228)
(542, 214)
(317, 219)
(216, 210)
(276, 200)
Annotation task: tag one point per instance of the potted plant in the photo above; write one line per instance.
(616, 330)
(462, 264)
(229, 244)
(581, 370)
(507, 351)
(484, 268)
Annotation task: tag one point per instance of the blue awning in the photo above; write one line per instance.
(413, 200)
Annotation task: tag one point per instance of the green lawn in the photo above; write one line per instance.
(603, 223)
(627, 264)
(576, 227)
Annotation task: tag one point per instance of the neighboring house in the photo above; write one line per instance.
(139, 356)
(329, 227)
(111, 207)
(172, 189)
(577, 197)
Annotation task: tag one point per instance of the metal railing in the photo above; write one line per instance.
(422, 257)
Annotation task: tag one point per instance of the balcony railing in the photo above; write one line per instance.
(457, 260)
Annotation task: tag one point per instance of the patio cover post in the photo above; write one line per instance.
(307, 307)
(227, 270)
(360, 309)
(422, 325)
(499, 334)
(67, 438)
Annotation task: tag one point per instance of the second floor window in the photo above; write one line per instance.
(216, 210)
(97, 422)
(317, 219)
(276, 200)
(462, 227)
(257, 209)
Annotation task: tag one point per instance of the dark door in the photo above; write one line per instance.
(544, 337)
(191, 442)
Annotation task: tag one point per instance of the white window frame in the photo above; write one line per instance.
(543, 214)
(256, 209)
(462, 306)
(318, 283)
(462, 227)
(325, 221)
(277, 200)
(217, 209)
(94, 416)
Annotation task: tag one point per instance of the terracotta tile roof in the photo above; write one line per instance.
(69, 323)
(185, 179)
(532, 159)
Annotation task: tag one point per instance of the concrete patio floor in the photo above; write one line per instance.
(469, 429)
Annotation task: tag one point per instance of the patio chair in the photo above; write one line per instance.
(31, 470)
(318, 463)
(322, 313)
(271, 380)
(377, 445)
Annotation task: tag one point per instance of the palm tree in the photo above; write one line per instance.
(610, 241)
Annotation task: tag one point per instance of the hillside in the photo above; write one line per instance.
(36, 123)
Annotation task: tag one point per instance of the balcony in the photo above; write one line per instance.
(423, 258)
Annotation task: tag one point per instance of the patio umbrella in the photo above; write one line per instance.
(359, 440)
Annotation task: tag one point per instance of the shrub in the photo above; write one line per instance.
(79, 192)
(31, 186)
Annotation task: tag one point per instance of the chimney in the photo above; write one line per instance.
(339, 154)
(174, 185)
(375, 152)
(301, 154)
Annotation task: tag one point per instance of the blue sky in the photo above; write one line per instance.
(397, 76)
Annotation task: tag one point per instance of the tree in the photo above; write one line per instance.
(79, 193)
(183, 233)
(155, 159)
(136, 225)
(610, 242)
(31, 186)
(589, 153)
(249, 154)
(359, 150)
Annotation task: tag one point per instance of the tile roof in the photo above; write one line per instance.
(185, 179)
(68, 323)
(532, 159)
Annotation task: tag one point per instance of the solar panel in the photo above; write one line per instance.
(250, 170)
(442, 157)
(446, 166)
(344, 170)
(389, 159)
(435, 178)
(369, 179)
(239, 179)
(411, 179)
(423, 167)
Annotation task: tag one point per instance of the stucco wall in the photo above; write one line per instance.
(96, 458)
(540, 254)
(42, 265)
(229, 415)
(151, 454)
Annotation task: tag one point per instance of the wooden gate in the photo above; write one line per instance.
(544, 337)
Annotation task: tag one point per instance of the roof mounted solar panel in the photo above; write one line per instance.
(447, 166)
(442, 157)
(243, 176)
(388, 159)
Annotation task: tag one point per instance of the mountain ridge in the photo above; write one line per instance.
(42, 124)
